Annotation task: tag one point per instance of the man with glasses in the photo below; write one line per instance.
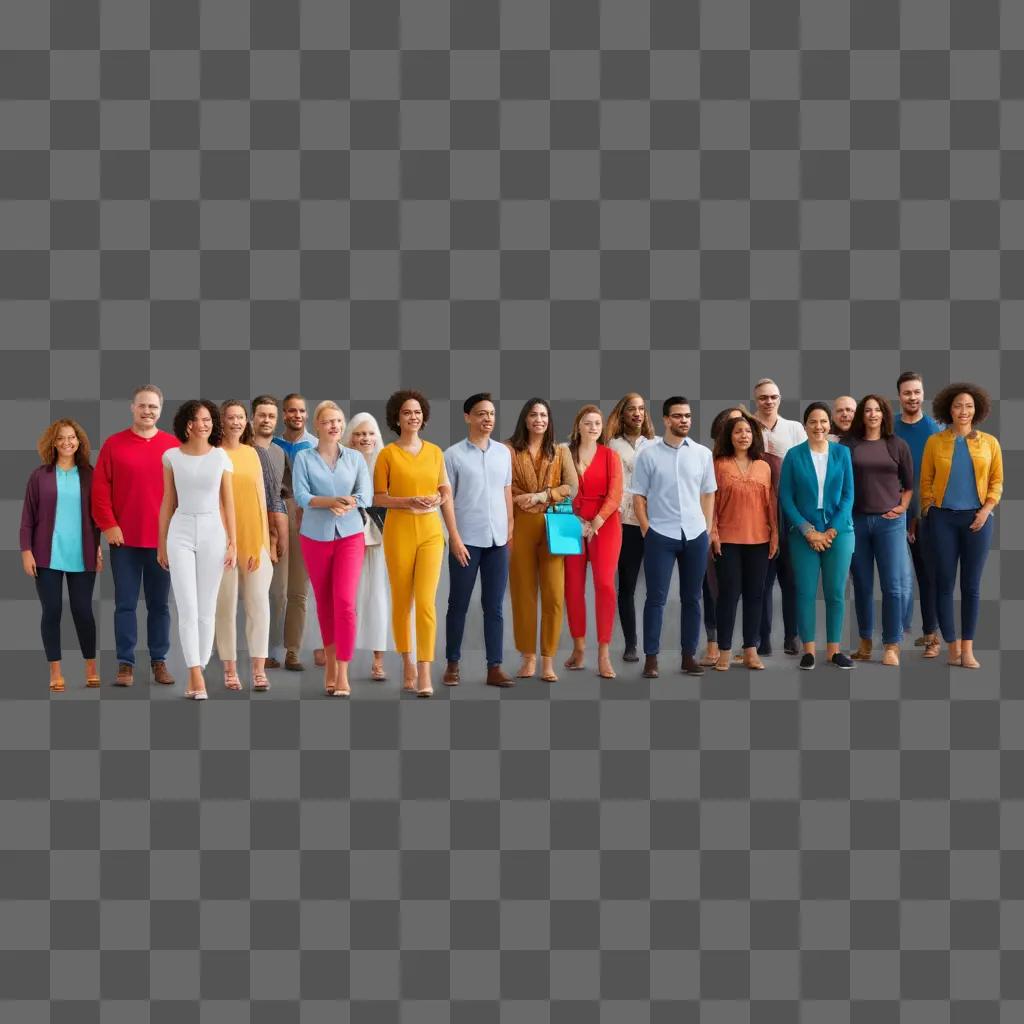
(779, 436)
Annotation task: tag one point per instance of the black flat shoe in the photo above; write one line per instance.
(840, 660)
(807, 662)
(629, 654)
(790, 646)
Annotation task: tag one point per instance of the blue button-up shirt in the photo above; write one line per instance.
(672, 480)
(479, 477)
(313, 478)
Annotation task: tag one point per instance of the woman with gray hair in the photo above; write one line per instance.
(372, 600)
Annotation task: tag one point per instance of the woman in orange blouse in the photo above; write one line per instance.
(543, 474)
(597, 504)
(744, 534)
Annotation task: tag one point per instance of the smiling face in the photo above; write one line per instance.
(872, 416)
(66, 443)
(843, 409)
(742, 435)
(295, 414)
(481, 418)
(364, 438)
(264, 420)
(201, 425)
(911, 398)
(329, 425)
(678, 421)
(410, 416)
(633, 415)
(145, 408)
(962, 410)
(233, 421)
(590, 427)
(537, 421)
(817, 426)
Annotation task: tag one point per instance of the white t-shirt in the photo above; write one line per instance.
(785, 435)
(820, 460)
(197, 478)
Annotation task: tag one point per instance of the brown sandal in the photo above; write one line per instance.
(57, 685)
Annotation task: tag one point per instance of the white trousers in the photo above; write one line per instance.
(374, 613)
(196, 545)
(255, 591)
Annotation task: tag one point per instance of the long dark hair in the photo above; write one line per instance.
(187, 412)
(724, 448)
(857, 428)
(613, 426)
(247, 434)
(520, 439)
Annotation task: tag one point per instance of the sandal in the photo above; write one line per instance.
(573, 665)
(196, 695)
(57, 685)
(231, 681)
(377, 674)
(260, 683)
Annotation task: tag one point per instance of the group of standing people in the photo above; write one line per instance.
(229, 513)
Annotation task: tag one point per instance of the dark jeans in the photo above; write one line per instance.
(781, 568)
(924, 569)
(49, 587)
(882, 542)
(661, 553)
(136, 568)
(741, 569)
(709, 593)
(631, 557)
(492, 564)
(952, 542)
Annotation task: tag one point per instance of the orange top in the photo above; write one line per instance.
(744, 505)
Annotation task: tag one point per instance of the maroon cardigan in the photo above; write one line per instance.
(39, 514)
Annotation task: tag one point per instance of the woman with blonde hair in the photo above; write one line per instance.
(362, 434)
(61, 541)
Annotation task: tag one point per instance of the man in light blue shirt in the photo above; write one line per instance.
(479, 521)
(673, 490)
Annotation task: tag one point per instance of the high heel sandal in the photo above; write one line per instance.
(57, 685)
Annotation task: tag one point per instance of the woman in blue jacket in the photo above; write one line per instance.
(816, 495)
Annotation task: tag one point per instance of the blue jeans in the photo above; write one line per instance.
(924, 568)
(953, 542)
(661, 553)
(882, 541)
(492, 564)
(135, 568)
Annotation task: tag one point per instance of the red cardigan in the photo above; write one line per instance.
(39, 515)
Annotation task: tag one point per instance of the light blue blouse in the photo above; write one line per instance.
(313, 478)
(66, 546)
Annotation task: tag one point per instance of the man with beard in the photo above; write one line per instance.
(673, 490)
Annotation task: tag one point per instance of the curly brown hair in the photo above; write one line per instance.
(47, 443)
(857, 424)
(942, 403)
(188, 411)
(725, 449)
(394, 407)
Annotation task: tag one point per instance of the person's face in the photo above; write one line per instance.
(410, 416)
(633, 415)
(591, 426)
(843, 409)
(817, 425)
(537, 420)
(66, 442)
(145, 410)
(767, 398)
(481, 418)
(872, 415)
(742, 435)
(962, 409)
(678, 421)
(295, 413)
(233, 421)
(911, 397)
(364, 439)
(264, 420)
(201, 425)
(330, 425)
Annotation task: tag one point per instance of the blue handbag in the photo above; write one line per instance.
(564, 529)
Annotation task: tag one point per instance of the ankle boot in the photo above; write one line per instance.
(863, 652)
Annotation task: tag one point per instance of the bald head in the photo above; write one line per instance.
(843, 409)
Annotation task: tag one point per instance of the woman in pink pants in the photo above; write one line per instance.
(331, 484)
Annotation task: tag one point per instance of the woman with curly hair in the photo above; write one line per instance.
(61, 541)
(410, 481)
(197, 530)
(961, 484)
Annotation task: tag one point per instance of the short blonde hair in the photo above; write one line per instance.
(765, 380)
(321, 408)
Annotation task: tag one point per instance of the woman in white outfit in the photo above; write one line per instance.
(255, 556)
(197, 531)
(363, 434)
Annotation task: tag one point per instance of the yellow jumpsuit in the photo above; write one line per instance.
(413, 542)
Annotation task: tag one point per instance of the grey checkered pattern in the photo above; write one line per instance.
(573, 198)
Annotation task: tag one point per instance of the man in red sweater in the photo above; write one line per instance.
(128, 487)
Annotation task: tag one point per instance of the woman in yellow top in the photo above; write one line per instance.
(961, 483)
(254, 568)
(410, 481)
(542, 475)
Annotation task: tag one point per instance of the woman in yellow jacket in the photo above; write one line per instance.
(410, 481)
(961, 483)
(542, 475)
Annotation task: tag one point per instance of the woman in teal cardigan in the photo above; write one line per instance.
(816, 495)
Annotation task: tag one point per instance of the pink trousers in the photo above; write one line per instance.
(334, 567)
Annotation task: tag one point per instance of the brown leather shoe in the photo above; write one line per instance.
(691, 666)
(161, 675)
(292, 663)
(497, 676)
(651, 666)
(451, 674)
(125, 674)
(271, 663)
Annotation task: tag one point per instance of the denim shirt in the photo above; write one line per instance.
(313, 478)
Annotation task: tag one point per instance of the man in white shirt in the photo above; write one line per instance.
(673, 490)
(779, 436)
